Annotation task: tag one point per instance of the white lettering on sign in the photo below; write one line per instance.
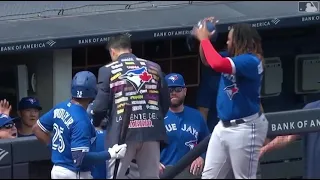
(93, 40)
(171, 33)
(295, 125)
(22, 47)
(310, 18)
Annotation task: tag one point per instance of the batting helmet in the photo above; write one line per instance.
(84, 85)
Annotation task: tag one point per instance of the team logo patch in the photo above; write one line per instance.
(191, 144)
(231, 90)
(137, 77)
(173, 78)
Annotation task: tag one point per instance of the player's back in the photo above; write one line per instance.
(138, 82)
(65, 116)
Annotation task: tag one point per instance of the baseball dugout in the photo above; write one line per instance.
(27, 158)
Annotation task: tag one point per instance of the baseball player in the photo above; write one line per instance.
(185, 127)
(129, 79)
(311, 145)
(236, 140)
(73, 133)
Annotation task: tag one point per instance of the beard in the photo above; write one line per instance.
(177, 102)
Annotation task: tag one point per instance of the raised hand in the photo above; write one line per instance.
(201, 32)
(5, 107)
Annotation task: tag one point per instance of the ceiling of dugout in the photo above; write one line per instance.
(151, 16)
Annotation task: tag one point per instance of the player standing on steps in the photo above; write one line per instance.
(238, 137)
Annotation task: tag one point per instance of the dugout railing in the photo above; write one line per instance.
(28, 158)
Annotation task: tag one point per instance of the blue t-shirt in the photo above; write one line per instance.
(185, 130)
(208, 91)
(72, 131)
(312, 149)
(100, 171)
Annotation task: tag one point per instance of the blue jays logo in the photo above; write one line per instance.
(137, 77)
(31, 100)
(173, 78)
(191, 144)
(231, 90)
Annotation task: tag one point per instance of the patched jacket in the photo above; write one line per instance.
(138, 82)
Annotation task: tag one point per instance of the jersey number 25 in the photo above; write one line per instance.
(57, 139)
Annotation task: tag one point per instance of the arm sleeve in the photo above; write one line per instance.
(164, 95)
(214, 59)
(243, 65)
(90, 158)
(103, 99)
(45, 122)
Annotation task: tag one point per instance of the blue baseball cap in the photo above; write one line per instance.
(5, 119)
(175, 80)
(29, 102)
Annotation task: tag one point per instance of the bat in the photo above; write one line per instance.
(123, 134)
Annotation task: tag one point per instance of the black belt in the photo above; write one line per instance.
(237, 121)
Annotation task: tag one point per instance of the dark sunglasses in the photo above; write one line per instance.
(175, 89)
(8, 126)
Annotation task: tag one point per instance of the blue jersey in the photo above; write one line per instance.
(312, 149)
(185, 130)
(238, 94)
(99, 171)
(72, 131)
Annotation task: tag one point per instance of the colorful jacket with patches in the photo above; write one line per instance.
(138, 82)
